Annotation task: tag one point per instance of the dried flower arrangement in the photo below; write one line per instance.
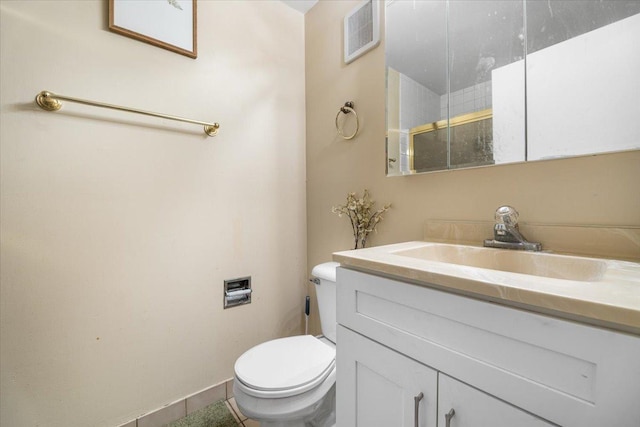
(360, 213)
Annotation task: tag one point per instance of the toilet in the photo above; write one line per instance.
(291, 382)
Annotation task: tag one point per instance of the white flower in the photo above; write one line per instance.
(363, 221)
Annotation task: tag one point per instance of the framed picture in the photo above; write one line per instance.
(169, 24)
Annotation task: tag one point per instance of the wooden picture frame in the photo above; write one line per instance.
(169, 24)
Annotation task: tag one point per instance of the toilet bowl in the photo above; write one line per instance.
(290, 382)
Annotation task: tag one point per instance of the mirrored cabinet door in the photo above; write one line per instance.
(583, 90)
(416, 57)
(486, 42)
(486, 82)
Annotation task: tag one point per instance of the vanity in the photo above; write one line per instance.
(433, 334)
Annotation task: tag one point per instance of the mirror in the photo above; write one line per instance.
(476, 83)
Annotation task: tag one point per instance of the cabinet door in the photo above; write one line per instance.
(377, 387)
(468, 407)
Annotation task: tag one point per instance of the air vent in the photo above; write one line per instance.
(361, 29)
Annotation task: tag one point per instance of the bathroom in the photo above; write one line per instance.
(118, 231)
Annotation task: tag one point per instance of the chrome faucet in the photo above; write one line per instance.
(506, 234)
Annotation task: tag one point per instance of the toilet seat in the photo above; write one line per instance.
(284, 367)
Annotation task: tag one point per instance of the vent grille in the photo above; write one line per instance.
(361, 29)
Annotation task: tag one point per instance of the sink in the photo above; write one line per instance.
(597, 291)
(531, 263)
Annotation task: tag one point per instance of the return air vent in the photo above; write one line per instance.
(361, 29)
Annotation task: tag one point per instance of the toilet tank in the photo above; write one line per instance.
(325, 275)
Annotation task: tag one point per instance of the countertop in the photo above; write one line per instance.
(612, 300)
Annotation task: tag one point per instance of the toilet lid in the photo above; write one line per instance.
(286, 366)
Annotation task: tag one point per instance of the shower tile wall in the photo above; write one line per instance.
(467, 100)
(419, 105)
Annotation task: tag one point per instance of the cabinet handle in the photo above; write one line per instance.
(416, 408)
(447, 417)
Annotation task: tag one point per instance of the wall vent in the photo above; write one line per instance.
(361, 29)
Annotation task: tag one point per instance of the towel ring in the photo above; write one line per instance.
(347, 109)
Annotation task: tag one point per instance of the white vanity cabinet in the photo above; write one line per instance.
(381, 387)
(493, 365)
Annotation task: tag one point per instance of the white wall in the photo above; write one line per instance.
(608, 110)
(509, 129)
(566, 80)
(118, 230)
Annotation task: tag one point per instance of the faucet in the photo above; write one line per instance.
(506, 234)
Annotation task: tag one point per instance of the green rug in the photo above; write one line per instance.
(216, 415)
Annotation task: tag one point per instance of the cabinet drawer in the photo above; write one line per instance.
(568, 373)
(469, 407)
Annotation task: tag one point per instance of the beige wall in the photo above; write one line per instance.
(589, 190)
(118, 230)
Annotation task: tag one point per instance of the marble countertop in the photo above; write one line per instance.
(609, 296)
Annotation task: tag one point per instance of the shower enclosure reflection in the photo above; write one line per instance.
(471, 142)
(456, 81)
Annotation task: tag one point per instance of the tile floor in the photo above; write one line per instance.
(198, 410)
(242, 420)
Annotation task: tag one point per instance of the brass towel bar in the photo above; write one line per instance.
(51, 102)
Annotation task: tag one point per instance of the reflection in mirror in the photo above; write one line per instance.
(456, 81)
(484, 36)
(416, 55)
(583, 90)
(470, 143)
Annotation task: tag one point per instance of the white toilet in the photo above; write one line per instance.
(290, 382)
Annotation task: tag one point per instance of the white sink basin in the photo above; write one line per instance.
(531, 263)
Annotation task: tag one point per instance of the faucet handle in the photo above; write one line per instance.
(507, 215)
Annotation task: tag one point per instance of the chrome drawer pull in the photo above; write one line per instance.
(447, 417)
(416, 408)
